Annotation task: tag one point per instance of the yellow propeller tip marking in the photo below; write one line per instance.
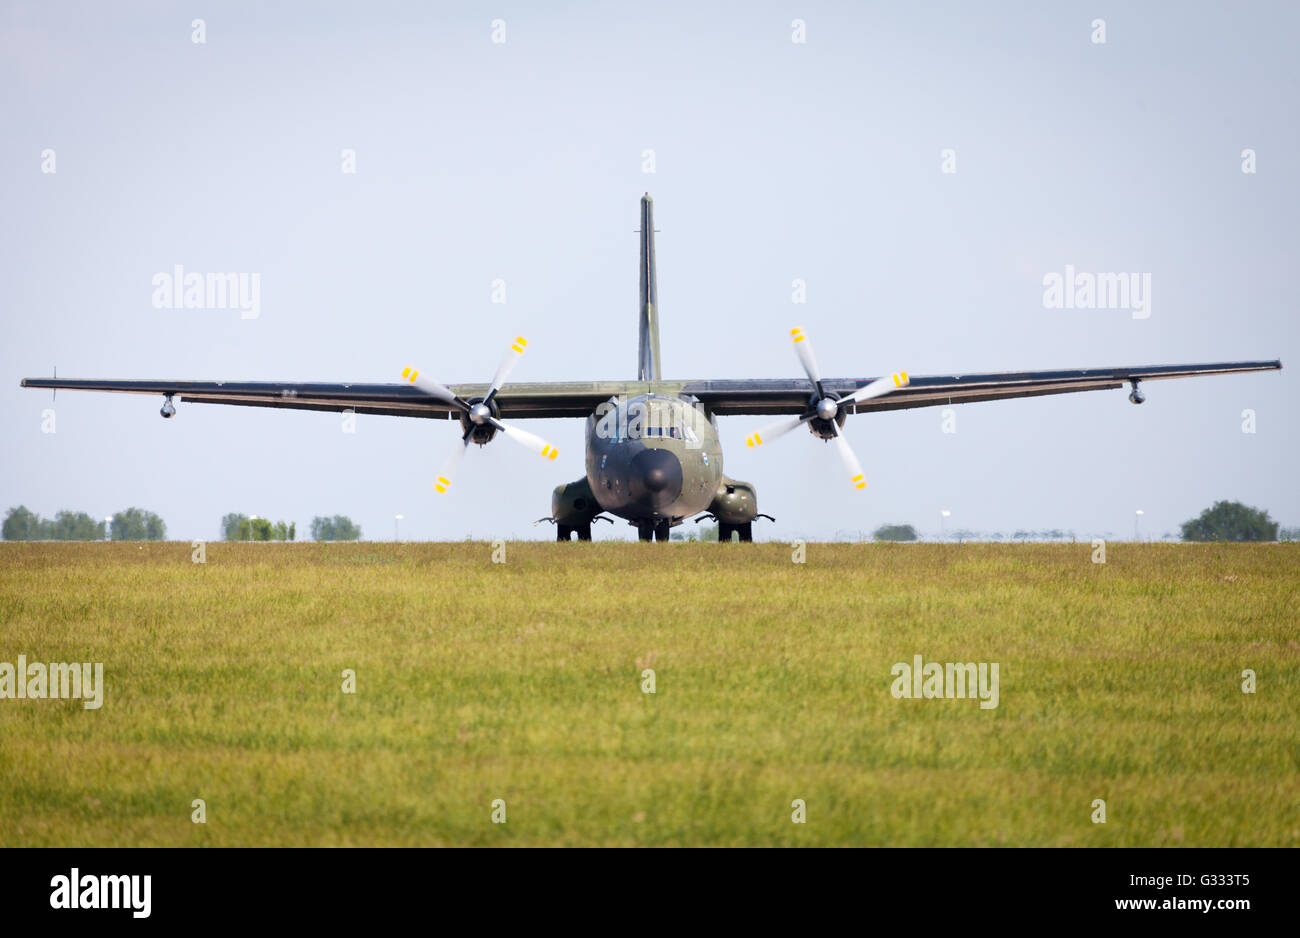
(856, 478)
(517, 349)
(554, 453)
(905, 378)
(406, 371)
(441, 489)
(861, 485)
(795, 331)
(521, 340)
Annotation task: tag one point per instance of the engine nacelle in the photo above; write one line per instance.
(829, 416)
(480, 433)
(573, 504)
(735, 502)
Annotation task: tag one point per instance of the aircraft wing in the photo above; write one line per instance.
(580, 398)
(790, 395)
(545, 399)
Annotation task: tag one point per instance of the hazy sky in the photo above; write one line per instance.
(774, 161)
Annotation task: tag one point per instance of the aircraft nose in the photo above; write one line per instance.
(658, 474)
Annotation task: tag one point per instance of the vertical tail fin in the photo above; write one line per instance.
(647, 362)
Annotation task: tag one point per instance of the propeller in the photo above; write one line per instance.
(479, 415)
(826, 409)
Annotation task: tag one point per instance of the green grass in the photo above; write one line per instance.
(521, 681)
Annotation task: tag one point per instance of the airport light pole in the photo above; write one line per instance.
(396, 534)
(943, 513)
(251, 519)
(1137, 530)
(108, 527)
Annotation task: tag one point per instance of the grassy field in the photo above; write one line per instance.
(521, 681)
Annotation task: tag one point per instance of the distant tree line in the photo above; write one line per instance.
(1048, 534)
(337, 528)
(20, 524)
(136, 524)
(237, 527)
(1222, 521)
(1231, 521)
(240, 527)
(1055, 534)
(133, 524)
(894, 532)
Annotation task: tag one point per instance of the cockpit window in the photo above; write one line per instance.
(671, 432)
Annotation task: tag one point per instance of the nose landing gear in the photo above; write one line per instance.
(168, 408)
(746, 532)
(653, 530)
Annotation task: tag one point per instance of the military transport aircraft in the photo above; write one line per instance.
(652, 452)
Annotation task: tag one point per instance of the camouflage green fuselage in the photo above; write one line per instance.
(653, 458)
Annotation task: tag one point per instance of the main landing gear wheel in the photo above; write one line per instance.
(746, 530)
